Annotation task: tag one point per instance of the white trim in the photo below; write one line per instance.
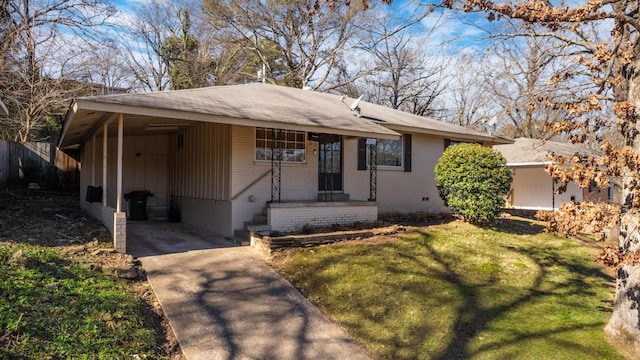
(533, 208)
(120, 155)
(448, 134)
(523, 164)
(104, 163)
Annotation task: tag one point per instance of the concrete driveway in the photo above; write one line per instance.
(224, 302)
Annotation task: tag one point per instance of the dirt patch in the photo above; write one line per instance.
(55, 220)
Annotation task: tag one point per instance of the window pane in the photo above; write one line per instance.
(291, 142)
(389, 153)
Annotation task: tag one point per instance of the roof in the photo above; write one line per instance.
(252, 105)
(3, 109)
(532, 152)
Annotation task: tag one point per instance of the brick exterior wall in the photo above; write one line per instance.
(120, 232)
(399, 191)
(294, 216)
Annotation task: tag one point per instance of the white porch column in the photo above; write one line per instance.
(120, 217)
(93, 161)
(119, 175)
(104, 163)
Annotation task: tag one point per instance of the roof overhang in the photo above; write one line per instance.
(86, 117)
(491, 140)
(529, 164)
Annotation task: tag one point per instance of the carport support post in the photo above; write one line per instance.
(104, 163)
(93, 160)
(119, 217)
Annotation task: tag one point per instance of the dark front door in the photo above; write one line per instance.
(330, 162)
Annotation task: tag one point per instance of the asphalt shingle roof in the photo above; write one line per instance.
(529, 151)
(278, 104)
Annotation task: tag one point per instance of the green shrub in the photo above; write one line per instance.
(473, 181)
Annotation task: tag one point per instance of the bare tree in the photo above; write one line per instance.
(35, 36)
(523, 83)
(309, 40)
(403, 76)
(145, 34)
(467, 100)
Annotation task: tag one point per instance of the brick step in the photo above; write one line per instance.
(333, 197)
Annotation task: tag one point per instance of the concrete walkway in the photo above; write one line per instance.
(224, 302)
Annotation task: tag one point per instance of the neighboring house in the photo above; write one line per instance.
(224, 157)
(532, 188)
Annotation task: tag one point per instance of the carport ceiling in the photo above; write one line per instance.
(133, 125)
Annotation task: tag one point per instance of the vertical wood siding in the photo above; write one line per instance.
(13, 156)
(201, 168)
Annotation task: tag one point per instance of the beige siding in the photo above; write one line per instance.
(144, 165)
(399, 191)
(532, 189)
(201, 168)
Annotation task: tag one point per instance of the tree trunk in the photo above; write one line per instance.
(624, 325)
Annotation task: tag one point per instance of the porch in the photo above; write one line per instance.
(297, 215)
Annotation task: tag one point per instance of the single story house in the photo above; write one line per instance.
(227, 157)
(532, 188)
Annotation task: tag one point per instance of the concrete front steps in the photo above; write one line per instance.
(243, 236)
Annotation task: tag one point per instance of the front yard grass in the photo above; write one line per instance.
(53, 307)
(459, 291)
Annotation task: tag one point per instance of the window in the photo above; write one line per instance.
(449, 142)
(389, 153)
(293, 144)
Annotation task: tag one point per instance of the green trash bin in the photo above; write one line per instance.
(137, 204)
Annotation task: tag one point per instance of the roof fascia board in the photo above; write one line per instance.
(453, 135)
(73, 109)
(529, 164)
(176, 114)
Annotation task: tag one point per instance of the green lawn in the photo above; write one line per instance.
(53, 308)
(462, 292)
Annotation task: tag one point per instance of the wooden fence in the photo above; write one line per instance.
(37, 162)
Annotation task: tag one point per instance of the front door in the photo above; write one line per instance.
(330, 162)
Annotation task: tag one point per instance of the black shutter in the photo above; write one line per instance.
(362, 154)
(406, 139)
(447, 143)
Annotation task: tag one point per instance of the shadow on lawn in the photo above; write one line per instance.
(516, 226)
(473, 314)
(472, 318)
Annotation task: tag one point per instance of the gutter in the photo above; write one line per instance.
(524, 164)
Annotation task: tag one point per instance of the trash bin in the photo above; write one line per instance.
(137, 204)
(94, 194)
